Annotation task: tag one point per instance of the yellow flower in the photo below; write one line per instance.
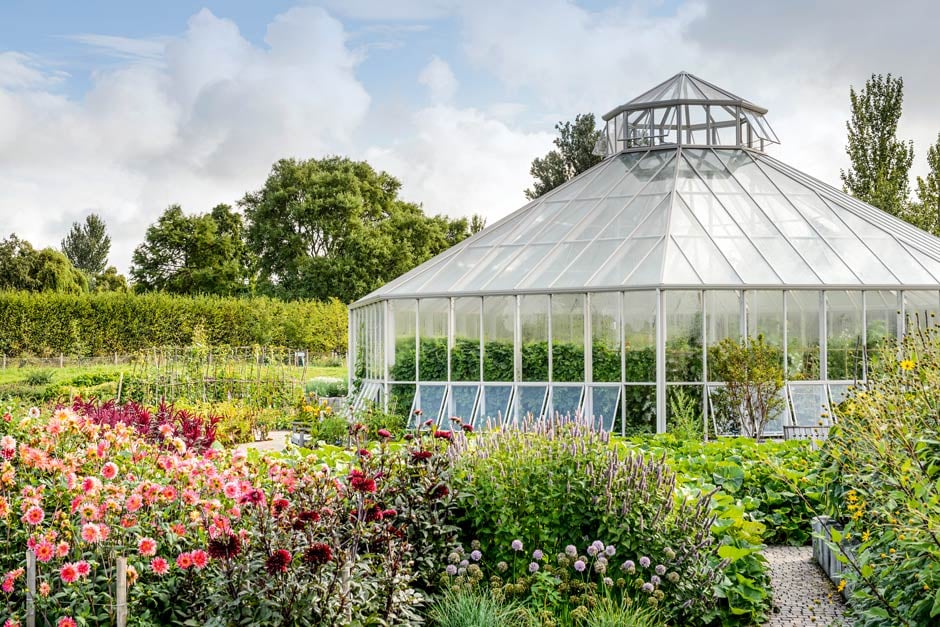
(907, 364)
(866, 535)
(891, 551)
(841, 586)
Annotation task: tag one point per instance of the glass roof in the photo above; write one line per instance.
(683, 217)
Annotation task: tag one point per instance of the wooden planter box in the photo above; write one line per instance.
(825, 556)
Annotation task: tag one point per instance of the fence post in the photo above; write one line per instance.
(61, 360)
(30, 589)
(121, 592)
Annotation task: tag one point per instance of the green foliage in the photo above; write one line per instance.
(575, 154)
(880, 161)
(475, 608)
(102, 324)
(326, 387)
(881, 473)
(335, 228)
(24, 268)
(558, 484)
(926, 213)
(38, 377)
(753, 376)
(685, 415)
(87, 246)
(771, 482)
(110, 281)
(609, 614)
(198, 254)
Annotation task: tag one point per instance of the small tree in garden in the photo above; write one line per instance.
(753, 377)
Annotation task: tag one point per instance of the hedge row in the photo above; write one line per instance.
(47, 323)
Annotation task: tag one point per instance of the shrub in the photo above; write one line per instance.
(556, 484)
(881, 472)
(38, 377)
(47, 323)
(325, 387)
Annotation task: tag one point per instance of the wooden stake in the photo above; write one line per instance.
(30, 589)
(121, 592)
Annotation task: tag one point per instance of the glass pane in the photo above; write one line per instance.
(431, 401)
(920, 308)
(627, 261)
(810, 405)
(699, 249)
(722, 421)
(400, 401)
(639, 402)
(551, 267)
(456, 267)
(566, 400)
(803, 335)
(494, 406)
(530, 401)
(568, 337)
(519, 266)
(683, 317)
(403, 319)
(881, 319)
(723, 320)
(533, 314)
(838, 392)
(463, 400)
(605, 404)
(498, 325)
(465, 356)
(844, 335)
(586, 264)
(493, 265)
(765, 315)
(639, 339)
(433, 317)
(605, 329)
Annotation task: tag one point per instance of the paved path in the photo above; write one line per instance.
(277, 441)
(802, 593)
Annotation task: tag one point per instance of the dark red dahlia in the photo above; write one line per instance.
(278, 561)
(364, 452)
(440, 492)
(318, 554)
(443, 435)
(252, 497)
(224, 548)
(360, 482)
(467, 428)
(421, 456)
(384, 433)
(279, 505)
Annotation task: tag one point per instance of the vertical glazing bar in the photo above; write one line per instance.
(864, 336)
(386, 312)
(350, 349)
(660, 363)
(588, 357)
(823, 340)
(704, 364)
(623, 363)
(738, 138)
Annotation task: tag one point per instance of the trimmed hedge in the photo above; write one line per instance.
(47, 323)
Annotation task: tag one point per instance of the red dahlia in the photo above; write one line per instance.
(278, 561)
(318, 554)
(420, 456)
(224, 548)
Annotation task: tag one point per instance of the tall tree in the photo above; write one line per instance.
(87, 245)
(22, 267)
(573, 155)
(334, 227)
(880, 161)
(926, 213)
(195, 254)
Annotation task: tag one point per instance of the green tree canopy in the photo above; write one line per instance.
(334, 227)
(194, 254)
(87, 245)
(22, 267)
(880, 162)
(573, 155)
(110, 281)
(926, 213)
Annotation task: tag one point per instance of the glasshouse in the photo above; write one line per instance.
(605, 295)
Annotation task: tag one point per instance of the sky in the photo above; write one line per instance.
(123, 108)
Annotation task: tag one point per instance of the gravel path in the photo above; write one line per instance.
(802, 593)
(277, 441)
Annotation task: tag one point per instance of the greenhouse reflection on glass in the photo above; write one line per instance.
(605, 295)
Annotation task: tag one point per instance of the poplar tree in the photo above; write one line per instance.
(880, 162)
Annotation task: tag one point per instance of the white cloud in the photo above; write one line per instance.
(440, 81)
(392, 10)
(461, 162)
(122, 47)
(200, 126)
